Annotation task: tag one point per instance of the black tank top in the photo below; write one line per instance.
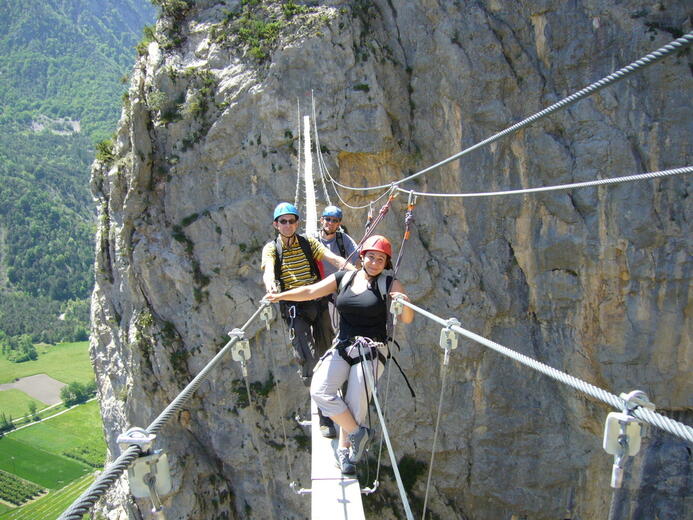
(362, 314)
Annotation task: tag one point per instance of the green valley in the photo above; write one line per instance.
(63, 71)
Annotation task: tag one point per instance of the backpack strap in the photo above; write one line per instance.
(307, 252)
(384, 284)
(346, 281)
(340, 244)
(278, 262)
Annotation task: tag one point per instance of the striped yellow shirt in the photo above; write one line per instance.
(295, 270)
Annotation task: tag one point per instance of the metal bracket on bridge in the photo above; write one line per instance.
(623, 432)
(396, 308)
(149, 475)
(241, 350)
(300, 491)
(267, 315)
(448, 338)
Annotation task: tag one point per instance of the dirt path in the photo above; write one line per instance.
(41, 387)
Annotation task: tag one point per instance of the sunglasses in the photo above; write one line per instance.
(330, 219)
(287, 220)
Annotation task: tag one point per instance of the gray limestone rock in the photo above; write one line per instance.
(595, 282)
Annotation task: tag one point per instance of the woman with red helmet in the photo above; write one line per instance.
(361, 344)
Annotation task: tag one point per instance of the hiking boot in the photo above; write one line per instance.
(327, 428)
(328, 431)
(347, 467)
(358, 441)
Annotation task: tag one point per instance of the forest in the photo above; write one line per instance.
(63, 72)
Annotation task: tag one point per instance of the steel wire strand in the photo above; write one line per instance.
(87, 499)
(318, 152)
(386, 435)
(435, 438)
(614, 77)
(574, 185)
(665, 423)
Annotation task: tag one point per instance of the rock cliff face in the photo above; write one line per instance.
(595, 282)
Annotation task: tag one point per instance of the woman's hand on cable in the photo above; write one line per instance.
(394, 295)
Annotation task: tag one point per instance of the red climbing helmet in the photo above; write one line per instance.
(378, 243)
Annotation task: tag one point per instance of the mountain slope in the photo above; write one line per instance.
(61, 65)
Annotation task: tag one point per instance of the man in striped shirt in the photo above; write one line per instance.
(290, 261)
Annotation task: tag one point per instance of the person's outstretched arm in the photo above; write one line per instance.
(307, 292)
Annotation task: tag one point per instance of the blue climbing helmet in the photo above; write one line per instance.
(285, 208)
(332, 211)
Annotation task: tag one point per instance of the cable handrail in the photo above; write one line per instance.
(614, 77)
(393, 459)
(680, 430)
(574, 185)
(88, 498)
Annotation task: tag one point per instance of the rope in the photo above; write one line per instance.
(675, 428)
(393, 459)
(598, 182)
(281, 405)
(86, 500)
(318, 153)
(444, 370)
(370, 228)
(614, 77)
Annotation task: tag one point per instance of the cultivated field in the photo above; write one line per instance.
(52, 505)
(65, 362)
(15, 403)
(60, 453)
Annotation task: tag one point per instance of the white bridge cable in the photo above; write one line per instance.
(584, 184)
(98, 488)
(614, 77)
(393, 460)
(678, 429)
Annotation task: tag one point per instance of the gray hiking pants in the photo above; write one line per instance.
(333, 371)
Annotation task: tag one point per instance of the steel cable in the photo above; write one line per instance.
(614, 77)
(86, 500)
(585, 184)
(675, 428)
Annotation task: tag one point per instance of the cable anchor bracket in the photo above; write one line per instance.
(149, 475)
(241, 350)
(448, 338)
(396, 307)
(623, 433)
(267, 315)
